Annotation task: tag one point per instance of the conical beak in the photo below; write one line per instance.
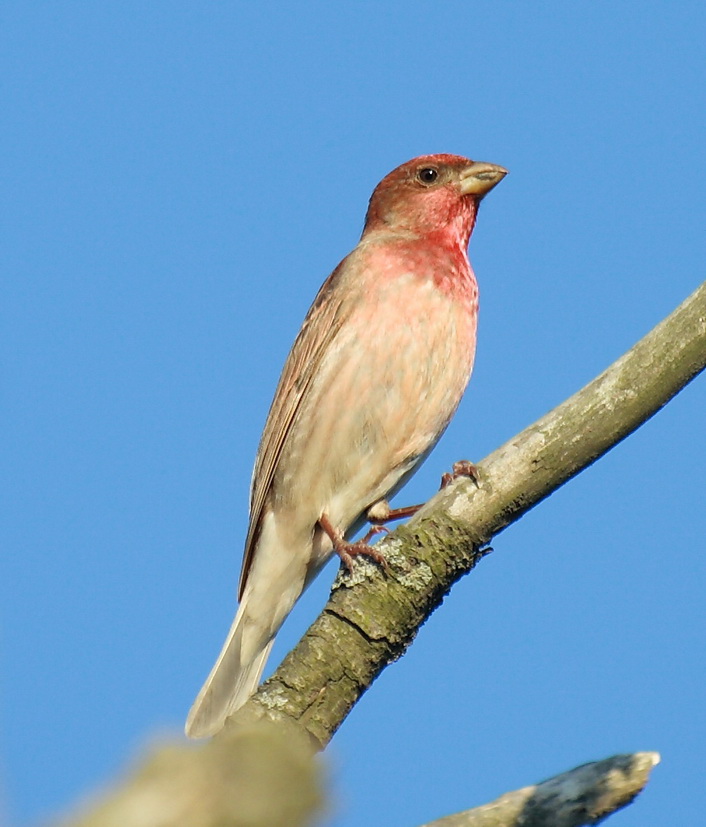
(479, 178)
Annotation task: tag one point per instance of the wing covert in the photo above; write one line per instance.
(322, 323)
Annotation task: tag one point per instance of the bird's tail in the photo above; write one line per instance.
(233, 679)
(274, 583)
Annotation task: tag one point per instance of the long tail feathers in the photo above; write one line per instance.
(229, 685)
(274, 583)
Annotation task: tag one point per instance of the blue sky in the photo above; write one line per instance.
(178, 179)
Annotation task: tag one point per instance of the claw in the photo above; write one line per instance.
(463, 468)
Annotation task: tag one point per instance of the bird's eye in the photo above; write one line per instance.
(428, 175)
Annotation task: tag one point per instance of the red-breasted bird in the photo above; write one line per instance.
(372, 381)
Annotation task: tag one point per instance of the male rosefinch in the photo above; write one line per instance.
(372, 381)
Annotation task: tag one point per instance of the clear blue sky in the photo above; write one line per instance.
(178, 179)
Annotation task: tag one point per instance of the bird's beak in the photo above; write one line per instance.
(479, 178)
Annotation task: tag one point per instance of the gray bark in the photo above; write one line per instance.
(372, 616)
(584, 795)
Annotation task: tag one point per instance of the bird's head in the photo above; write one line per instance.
(432, 195)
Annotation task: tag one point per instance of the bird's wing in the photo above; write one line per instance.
(322, 323)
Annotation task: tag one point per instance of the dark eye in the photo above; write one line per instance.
(427, 175)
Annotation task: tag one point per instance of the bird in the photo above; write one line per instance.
(372, 380)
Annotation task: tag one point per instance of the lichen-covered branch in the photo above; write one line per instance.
(584, 795)
(372, 617)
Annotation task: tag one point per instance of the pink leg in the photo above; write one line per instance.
(381, 513)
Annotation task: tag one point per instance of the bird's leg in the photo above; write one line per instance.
(347, 551)
(463, 468)
(380, 512)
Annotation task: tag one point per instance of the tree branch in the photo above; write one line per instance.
(584, 795)
(261, 775)
(373, 616)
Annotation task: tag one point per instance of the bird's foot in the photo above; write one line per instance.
(463, 468)
(348, 551)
